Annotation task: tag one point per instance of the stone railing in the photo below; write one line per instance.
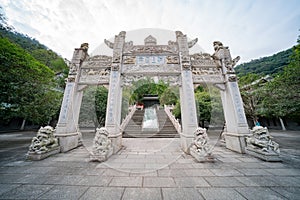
(174, 121)
(128, 117)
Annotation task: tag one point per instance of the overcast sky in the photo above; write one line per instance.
(251, 28)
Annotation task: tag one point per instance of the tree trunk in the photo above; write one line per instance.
(282, 124)
(23, 125)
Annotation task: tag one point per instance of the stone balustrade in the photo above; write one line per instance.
(128, 117)
(174, 121)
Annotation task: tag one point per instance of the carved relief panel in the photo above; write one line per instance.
(96, 70)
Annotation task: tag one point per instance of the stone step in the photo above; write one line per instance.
(150, 135)
(134, 127)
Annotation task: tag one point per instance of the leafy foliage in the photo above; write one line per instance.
(169, 96)
(285, 92)
(39, 51)
(278, 97)
(93, 106)
(203, 102)
(145, 87)
(26, 85)
(100, 103)
(177, 110)
(251, 94)
(266, 65)
(208, 105)
(32, 77)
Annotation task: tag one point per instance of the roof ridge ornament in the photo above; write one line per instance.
(192, 42)
(150, 41)
(109, 43)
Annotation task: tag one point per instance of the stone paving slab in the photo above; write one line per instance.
(223, 182)
(220, 194)
(107, 193)
(142, 193)
(64, 192)
(26, 192)
(159, 182)
(148, 169)
(254, 193)
(7, 187)
(181, 193)
(131, 181)
(288, 192)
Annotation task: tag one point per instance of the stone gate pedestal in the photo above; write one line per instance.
(69, 141)
(185, 142)
(116, 141)
(235, 141)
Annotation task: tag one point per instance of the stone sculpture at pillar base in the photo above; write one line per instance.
(40, 156)
(260, 145)
(200, 148)
(43, 145)
(266, 156)
(102, 148)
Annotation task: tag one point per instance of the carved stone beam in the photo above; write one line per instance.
(220, 86)
(81, 88)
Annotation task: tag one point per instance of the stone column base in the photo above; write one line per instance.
(186, 142)
(116, 141)
(69, 141)
(235, 142)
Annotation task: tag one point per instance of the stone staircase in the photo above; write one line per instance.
(134, 127)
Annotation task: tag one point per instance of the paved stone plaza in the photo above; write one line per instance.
(148, 168)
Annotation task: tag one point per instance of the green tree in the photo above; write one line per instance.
(50, 59)
(251, 86)
(93, 106)
(282, 94)
(101, 104)
(169, 96)
(217, 115)
(177, 110)
(208, 103)
(267, 65)
(203, 102)
(146, 86)
(26, 86)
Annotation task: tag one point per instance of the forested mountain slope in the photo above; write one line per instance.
(31, 79)
(266, 65)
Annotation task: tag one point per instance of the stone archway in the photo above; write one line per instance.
(172, 63)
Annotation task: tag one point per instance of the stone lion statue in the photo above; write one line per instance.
(102, 147)
(200, 143)
(262, 140)
(44, 141)
(84, 46)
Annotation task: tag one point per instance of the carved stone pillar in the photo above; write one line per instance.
(187, 97)
(236, 122)
(114, 103)
(67, 129)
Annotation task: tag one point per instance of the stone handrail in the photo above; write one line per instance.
(174, 121)
(128, 117)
